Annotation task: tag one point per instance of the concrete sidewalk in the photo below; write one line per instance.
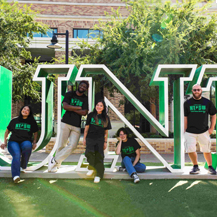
(152, 172)
(41, 155)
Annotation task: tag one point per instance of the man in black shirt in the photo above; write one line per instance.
(76, 104)
(196, 111)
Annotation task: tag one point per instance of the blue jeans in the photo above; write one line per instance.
(128, 163)
(20, 153)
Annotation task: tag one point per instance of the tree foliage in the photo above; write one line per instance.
(153, 33)
(15, 23)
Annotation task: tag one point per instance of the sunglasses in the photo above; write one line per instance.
(196, 90)
(122, 134)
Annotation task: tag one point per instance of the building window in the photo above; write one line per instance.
(86, 33)
(48, 34)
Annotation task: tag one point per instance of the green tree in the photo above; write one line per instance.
(15, 22)
(153, 33)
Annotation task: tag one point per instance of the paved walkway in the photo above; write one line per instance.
(152, 172)
(41, 155)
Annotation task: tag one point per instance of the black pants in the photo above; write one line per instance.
(95, 155)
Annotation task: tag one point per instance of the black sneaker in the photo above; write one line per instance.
(195, 170)
(122, 169)
(211, 171)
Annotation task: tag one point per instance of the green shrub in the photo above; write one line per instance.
(155, 136)
(145, 135)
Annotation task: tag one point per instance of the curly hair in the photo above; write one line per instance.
(124, 130)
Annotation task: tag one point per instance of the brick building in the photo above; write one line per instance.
(78, 17)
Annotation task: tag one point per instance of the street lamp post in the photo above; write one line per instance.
(54, 44)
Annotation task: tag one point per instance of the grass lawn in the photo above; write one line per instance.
(51, 198)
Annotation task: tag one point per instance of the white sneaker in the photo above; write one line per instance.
(89, 173)
(22, 170)
(54, 170)
(51, 164)
(96, 179)
(16, 179)
(136, 178)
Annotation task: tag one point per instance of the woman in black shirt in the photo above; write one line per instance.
(20, 144)
(95, 139)
(130, 153)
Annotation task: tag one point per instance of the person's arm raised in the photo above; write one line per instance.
(118, 149)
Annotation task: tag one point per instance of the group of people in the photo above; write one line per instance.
(95, 135)
(22, 142)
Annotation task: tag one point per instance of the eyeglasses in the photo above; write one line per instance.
(197, 90)
(122, 134)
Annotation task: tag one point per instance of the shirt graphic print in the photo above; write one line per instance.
(128, 150)
(198, 108)
(23, 126)
(94, 122)
(76, 102)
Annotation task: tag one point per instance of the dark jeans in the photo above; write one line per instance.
(95, 155)
(128, 163)
(20, 153)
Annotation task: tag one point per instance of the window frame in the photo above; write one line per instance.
(43, 35)
(88, 34)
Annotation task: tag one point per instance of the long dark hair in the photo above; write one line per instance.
(30, 113)
(104, 113)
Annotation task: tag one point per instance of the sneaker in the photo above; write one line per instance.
(51, 164)
(122, 169)
(89, 173)
(16, 179)
(22, 170)
(136, 178)
(211, 171)
(195, 170)
(96, 179)
(54, 169)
